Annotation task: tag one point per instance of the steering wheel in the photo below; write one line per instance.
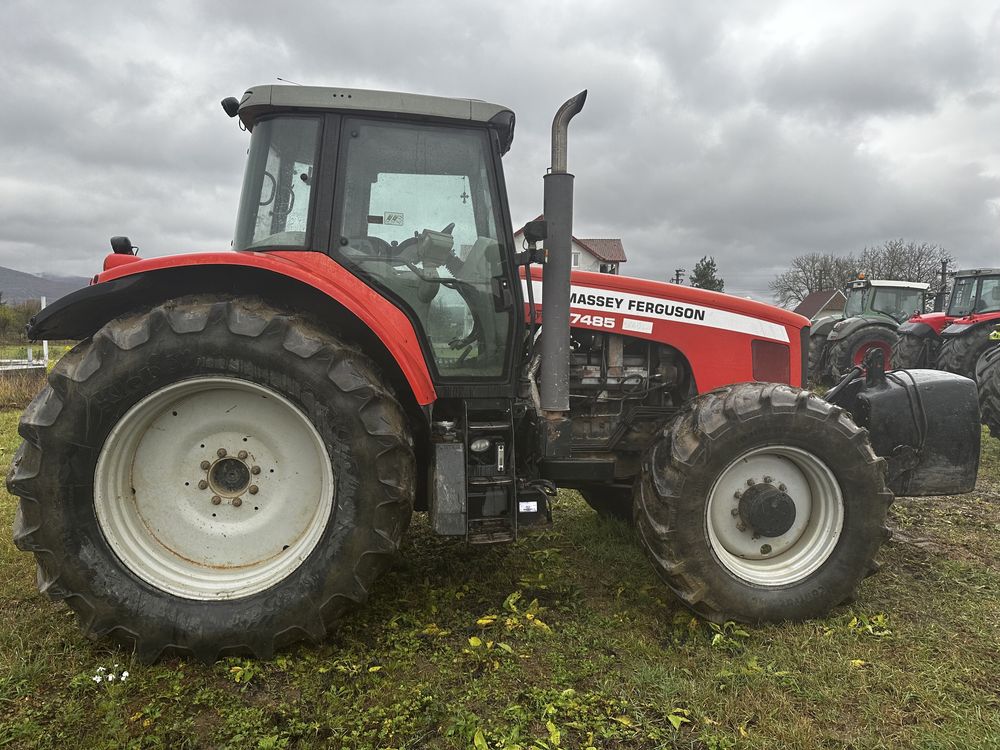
(410, 241)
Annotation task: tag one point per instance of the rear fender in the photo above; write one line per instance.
(307, 282)
(915, 328)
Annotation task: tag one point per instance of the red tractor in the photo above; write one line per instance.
(232, 453)
(953, 340)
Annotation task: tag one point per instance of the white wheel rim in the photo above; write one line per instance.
(221, 532)
(810, 540)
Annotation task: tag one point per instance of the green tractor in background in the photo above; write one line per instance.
(873, 311)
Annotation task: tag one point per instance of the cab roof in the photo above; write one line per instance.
(885, 282)
(259, 101)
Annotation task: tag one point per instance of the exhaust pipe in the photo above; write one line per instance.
(558, 211)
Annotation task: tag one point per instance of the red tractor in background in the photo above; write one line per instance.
(233, 451)
(953, 340)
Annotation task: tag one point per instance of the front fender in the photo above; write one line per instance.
(307, 281)
(916, 328)
(848, 326)
(823, 326)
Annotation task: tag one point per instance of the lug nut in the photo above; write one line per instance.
(782, 487)
(216, 499)
(738, 494)
(255, 470)
(741, 526)
(765, 549)
(252, 489)
(767, 479)
(221, 453)
(237, 502)
(202, 485)
(751, 482)
(241, 455)
(735, 511)
(206, 465)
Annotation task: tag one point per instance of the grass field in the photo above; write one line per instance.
(564, 640)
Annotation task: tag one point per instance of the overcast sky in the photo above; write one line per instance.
(749, 131)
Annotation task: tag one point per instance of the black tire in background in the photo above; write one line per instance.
(714, 435)
(988, 378)
(609, 500)
(817, 371)
(959, 353)
(360, 422)
(845, 353)
(914, 352)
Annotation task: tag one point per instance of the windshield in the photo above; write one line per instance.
(963, 297)
(855, 302)
(418, 215)
(274, 204)
(899, 304)
(989, 295)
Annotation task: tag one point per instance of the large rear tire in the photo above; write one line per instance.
(988, 378)
(761, 502)
(959, 353)
(851, 350)
(914, 352)
(212, 477)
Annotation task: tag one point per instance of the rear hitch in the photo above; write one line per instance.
(925, 423)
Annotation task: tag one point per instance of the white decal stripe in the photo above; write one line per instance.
(661, 308)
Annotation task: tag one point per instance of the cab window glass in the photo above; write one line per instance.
(417, 215)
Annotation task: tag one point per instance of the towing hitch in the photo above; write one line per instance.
(925, 423)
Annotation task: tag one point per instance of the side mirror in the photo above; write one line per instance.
(231, 105)
(536, 231)
(122, 246)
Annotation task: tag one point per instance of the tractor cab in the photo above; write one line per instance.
(405, 192)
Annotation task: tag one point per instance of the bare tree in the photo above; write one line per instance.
(812, 273)
(904, 261)
(898, 260)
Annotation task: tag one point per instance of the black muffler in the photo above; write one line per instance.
(925, 423)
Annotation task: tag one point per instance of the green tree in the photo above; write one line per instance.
(706, 275)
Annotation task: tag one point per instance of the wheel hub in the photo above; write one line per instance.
(229, 476)
(767, 510)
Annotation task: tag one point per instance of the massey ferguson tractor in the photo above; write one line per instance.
(873, 311)
(232, 453)
(954, 339)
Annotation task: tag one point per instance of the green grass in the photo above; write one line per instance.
(445, 657)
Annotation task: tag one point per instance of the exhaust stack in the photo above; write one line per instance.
(558, 211)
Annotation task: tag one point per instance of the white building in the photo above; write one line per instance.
(603, 255)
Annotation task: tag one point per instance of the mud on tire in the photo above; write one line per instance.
(360, 427)
(686, 498)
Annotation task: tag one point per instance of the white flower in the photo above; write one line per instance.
(110, 678)
(101, 669)
(124, 675)
(96, 678)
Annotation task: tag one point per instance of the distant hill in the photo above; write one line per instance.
(18, 286)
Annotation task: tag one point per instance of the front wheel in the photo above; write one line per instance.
(761, 502)
(960, 353)
(851, 350)
(212, 476)
(912, 352)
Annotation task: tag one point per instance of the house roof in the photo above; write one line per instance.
(825, 299)
(606, 250)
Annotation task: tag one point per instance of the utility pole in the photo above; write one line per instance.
(678, 272)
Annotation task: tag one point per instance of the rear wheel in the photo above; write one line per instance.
(959, 353)
(610, 500)
(851, 350)
(762, 503)
(212, 477)
(914, 352)
(988, 378)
